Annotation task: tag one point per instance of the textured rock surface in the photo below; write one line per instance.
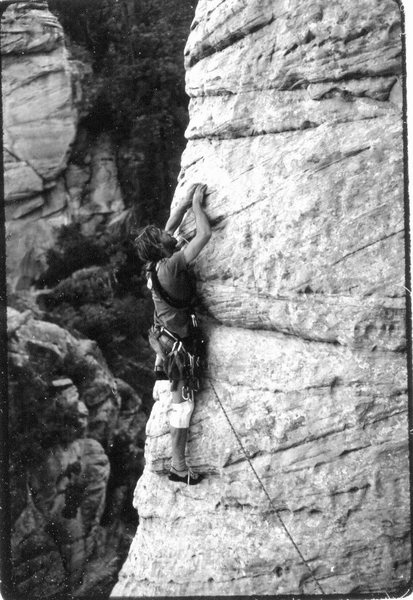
(296, 128)
(39, 127)
(42, 102)
(60, 540)
(50, 348)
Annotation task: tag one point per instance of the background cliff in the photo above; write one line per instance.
(76, 447)
(296, 127)
(47, 184)
(93, 111)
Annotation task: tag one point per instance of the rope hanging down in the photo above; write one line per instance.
(265, 491)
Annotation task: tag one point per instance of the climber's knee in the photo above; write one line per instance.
(180, 414)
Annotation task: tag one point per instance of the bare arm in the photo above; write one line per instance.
(176, 216)
(203, 228)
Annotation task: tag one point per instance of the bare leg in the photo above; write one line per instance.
(179, 469)
(178, 437)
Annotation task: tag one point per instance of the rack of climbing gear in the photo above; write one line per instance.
(179, 361)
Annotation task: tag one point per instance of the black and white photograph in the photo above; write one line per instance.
(206, 299)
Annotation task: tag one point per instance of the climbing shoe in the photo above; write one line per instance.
(190, 478)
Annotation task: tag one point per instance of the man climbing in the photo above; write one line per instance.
(174, 334)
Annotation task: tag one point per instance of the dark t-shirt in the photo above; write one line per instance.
(174, 277)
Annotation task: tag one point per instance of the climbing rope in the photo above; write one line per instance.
(265, 490)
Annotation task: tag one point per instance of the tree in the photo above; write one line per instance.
(137, 49)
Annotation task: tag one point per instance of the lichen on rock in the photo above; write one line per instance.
(296, 127)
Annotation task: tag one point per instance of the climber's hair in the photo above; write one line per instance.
(147, 243)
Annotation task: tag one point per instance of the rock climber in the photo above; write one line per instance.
(175, 335)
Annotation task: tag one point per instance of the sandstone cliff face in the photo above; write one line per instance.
(45, 186)
(68, 531)
(296, 128)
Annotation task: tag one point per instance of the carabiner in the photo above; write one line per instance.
(187, 393)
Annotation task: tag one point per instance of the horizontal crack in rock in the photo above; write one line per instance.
(234, 37)
(367, 246)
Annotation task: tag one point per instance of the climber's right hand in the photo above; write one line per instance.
(199, 195)
(186, 202)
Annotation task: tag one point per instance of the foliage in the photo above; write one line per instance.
(73, 251)
(35, 423)
(137, 49)
(109, 325)
(105, 297)
(89, 285)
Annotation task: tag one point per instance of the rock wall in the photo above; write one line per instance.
(296, 127)
(46, 184)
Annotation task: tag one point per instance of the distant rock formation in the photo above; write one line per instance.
(67, 509)
(296, 127)
(46, 185)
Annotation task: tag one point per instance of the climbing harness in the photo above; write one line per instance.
(181, 359)
(265, 490)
